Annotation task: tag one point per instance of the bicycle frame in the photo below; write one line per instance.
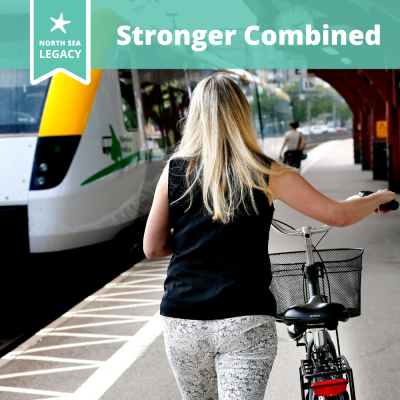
(325, 353)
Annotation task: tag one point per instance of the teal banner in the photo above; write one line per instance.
(60, 39)
(201, 34)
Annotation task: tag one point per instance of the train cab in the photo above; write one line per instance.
(79, 163)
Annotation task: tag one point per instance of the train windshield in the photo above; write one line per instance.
(21, 104)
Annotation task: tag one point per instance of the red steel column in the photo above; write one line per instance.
(357, 137)
(392, 116)
(376, 112)
(387, 84)
(366, 155)
(393, 140)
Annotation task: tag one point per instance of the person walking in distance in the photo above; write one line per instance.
(212, 211)
(295, 142)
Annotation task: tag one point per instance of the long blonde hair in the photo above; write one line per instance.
(220, 144)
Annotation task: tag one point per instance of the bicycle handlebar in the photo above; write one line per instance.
(298, 232)
(393, 205)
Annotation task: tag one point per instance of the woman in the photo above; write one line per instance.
(295, 142)
(212, 210)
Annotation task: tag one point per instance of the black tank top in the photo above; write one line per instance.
(217, 270)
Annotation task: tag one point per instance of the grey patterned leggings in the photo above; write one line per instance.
(221, 359)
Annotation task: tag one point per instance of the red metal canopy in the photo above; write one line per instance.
(374, 98)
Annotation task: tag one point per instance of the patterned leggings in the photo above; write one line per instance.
(221, 359)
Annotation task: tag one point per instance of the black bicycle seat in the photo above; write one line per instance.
(316, 311)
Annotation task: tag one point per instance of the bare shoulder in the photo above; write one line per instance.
(163, 181)
(281, 177)
(277, 166)
(279, 169)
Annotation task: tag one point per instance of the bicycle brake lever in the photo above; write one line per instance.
(365, 193)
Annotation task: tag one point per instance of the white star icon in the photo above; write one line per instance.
(59, 23)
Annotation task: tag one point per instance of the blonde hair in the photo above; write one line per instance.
(220, 144)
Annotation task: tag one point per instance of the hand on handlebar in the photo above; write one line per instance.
(388, 196)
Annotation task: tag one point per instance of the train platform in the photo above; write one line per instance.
(110, 346)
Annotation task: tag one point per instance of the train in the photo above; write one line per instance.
(79, 163)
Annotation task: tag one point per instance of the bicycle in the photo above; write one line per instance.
(312, 297)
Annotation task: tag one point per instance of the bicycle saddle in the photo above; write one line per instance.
(316, 311)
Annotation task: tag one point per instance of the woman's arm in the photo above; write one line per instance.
(156, 241)
(297, 193)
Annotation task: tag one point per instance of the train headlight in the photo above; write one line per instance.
(41, 180)
(56, 151)
(43, 167)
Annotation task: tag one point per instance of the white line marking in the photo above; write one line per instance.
(160, 269)
(131, 292)
(316, 153)
(127, 300)
(152, 303)
(101, 316)
(133, 286)
(65, 328)
(147, 264)
(53, 326)
(108, 373)
(47, 371)
(65, 397)
(144, 280)
(58, 359)
(32, 391)
(68, 345)
(93, 335)
(144, 274)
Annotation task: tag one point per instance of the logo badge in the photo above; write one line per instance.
(60, 39)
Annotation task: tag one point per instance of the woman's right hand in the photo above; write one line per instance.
(387, 196)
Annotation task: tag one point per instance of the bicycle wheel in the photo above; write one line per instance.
(311, 395)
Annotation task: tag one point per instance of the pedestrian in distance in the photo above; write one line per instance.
(295, 143)
(212, 211)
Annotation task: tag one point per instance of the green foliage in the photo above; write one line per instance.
(321, 103)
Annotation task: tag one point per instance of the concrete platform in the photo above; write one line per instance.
(110, 346)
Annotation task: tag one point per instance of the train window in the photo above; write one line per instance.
(153, 107)
(128, 99)
(21, 104)
(163, 107)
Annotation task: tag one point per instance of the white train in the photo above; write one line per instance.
(78, 164)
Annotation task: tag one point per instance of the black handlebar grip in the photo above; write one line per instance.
(393, 205)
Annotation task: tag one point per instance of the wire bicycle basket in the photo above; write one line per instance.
(339, 281)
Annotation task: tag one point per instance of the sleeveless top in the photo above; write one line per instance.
(217, 270)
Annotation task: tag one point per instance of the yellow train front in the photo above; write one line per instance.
(79, 163)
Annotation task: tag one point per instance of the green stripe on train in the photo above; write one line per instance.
(116, 155)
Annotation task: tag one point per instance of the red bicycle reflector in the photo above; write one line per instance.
(329, 388)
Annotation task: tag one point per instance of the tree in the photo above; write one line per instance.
(321, 103)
